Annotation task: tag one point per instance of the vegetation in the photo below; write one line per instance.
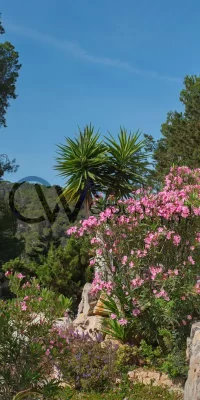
(64, 269)
(153, 299)
(180, 140)
(148, 238)
(25, 324)
(137, 392)
(91, 166)
(9, 72)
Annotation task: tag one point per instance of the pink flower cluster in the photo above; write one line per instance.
(99, 284)
(152, 245)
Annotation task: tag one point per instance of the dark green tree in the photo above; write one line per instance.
(6, 165)
(9, 72)
(64, 270)
(180, 141)
(10, 245)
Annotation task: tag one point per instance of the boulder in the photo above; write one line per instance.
(88, 302)
(192, 386)
(88, 324)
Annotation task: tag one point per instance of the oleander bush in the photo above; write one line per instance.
(150, 247)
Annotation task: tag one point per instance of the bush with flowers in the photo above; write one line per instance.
(26, 323)
(150, 247)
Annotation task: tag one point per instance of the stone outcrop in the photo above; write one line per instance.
(154, 378)
(88, 302)
(88, 324)
(91, 312)
(192, 386)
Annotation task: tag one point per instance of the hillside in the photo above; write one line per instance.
(29, 238)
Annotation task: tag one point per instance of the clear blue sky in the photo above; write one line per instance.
(109, 62)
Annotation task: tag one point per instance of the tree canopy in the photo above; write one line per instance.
(9, 72)
(180, 141)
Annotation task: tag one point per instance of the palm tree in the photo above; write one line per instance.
(90, 166)
(81, 162)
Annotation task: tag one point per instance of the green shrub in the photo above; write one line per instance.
(89, 365)
(136, 392)
(64, 270)
(25, 325)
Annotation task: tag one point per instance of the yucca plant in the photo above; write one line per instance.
(89, 165)
(126, 162)
(80, 162)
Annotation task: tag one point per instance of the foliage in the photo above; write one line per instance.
(150, 247)
(6, 165)
(64, 270)
(81, 162)
(90, 165)
(90, 363)
(10, 245)
(135, 392)
(126, 163)
(35, 239)
(179, 143)
(25, 325)
(9, 72)
(175, 365)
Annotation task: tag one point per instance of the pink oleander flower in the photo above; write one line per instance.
(123, 321)
(23, 306)
(155, 271)
(176, 272)
(184, 322)
(136, 312)
(190, 259)
(25, 285)
(20, 276)
(8, 273)
(162, 294)
(26, 298)
(92, 262)
(131, 264)
(183, 298)
(124, 260)
(94, 240)
(137, 282)
(47, 352)
(113, 316)
(176, 239)
(189, 317)
(99, 252)
(72, 230)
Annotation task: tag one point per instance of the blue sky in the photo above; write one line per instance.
(111, 63)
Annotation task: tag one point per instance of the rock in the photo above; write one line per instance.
(63, 323)
(154, 378)
(88, 324)
(100, 308)
(88, 302)
(192, 386)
